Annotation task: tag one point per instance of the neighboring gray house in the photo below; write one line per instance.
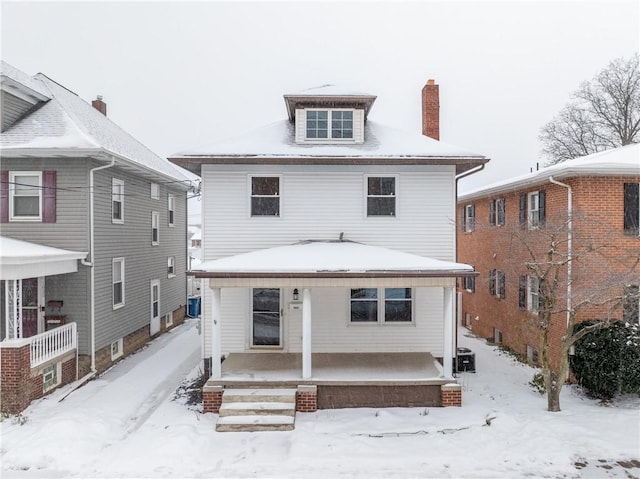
(94, 235)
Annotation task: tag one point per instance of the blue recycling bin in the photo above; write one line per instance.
(193, 307)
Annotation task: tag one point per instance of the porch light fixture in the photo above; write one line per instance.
(296, 294)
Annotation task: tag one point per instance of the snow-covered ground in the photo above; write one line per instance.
(129, 423)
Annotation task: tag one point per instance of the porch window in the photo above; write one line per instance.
(387, 305)
(265, 196)
(118, 282)
(25, 195)
(381, 196)
(117, 201)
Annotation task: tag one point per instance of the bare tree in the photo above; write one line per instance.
(580, 276)
(604, 113)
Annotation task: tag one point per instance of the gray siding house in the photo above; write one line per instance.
(94, 236)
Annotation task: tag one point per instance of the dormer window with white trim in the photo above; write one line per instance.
(329, 124)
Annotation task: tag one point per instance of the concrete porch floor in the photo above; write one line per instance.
(332, 368)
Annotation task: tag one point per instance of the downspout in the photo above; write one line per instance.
(91, 265)
(569, 243)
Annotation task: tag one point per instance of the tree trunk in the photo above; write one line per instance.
(554, 386)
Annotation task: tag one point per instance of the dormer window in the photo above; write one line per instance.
(329, 124)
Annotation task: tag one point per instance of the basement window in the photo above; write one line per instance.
(51, 376)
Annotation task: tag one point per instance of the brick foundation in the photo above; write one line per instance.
(451, 395)
(212, 399)
(16, 378)
(307, 398)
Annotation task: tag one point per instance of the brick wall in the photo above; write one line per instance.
(597, 219)
(307, 399)
(451, 395)
(212, 398)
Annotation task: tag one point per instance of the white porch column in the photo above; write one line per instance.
(447, 360)
(216, 348)
(306, 333)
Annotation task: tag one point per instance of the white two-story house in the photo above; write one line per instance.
(329, 255)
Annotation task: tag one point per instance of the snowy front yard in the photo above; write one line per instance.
(129, 423)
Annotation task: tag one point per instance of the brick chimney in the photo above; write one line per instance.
(99, 105)
(431, 110)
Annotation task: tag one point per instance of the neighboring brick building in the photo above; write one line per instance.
(502, 302)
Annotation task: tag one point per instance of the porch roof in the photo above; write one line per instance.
(339, 263)
(22, 259)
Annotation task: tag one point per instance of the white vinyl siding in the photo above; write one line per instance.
(426, 227)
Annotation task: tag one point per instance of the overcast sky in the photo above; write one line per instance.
(178, 75)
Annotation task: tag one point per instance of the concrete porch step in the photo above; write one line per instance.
(257, 408)
(255, 423)
(259, 395)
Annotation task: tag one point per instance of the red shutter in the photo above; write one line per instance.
(48, 196)
(4, 196)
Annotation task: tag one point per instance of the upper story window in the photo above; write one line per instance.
(532, 209)
(497, 283)
(25, 196)
(171, 207)
(155, 191)
(496, 212)
(155, 228)
(381, 196)
(632, 208)
(117, 201)
(388, 305)
(469, 218)
(171, 267)
(530, 298)
(329, 124)
(265, 196)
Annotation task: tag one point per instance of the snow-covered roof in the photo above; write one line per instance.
(329, 90)
(22, 259)
(277, 140)
(332, 257)
(19, 79)
(66, 125)
(622, 161)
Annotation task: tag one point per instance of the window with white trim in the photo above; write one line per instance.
(155, 228)
(469, 218)
(117, 201)
(497, 283)
(171, 207)
(497, 212)
(533, 293)
(51, 376)
(381, 195)
(381, 305)
(25, 195)
(171, 267)
(168, 320)
(469, 283)
(116, 349)
(329, 124)
(155, 191)
(117, 267)
(265, 195)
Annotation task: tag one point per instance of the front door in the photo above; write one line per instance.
(155, 307)
(32, 301)
(266, 324)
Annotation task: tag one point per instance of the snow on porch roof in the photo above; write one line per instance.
(330, 259)
(21, 259)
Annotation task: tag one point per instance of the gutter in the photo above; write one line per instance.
(569, 243)
(91, 265)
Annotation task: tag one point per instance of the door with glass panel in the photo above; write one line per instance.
(266, 323)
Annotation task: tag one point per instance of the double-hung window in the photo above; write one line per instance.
(632, 209)
(469, 283)
(469, 218)
(381, 305)
(155, 228)
(117, 267)
(25, 195)
(381, 196)
(117, 201)
(497, 283)
(171, 207)
(155, 191)
(329, 124)
(532, 210)
(530, 297)
(265, 196)
(171, 267)
(496, 212)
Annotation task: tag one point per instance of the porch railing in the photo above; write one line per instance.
(48, 345)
